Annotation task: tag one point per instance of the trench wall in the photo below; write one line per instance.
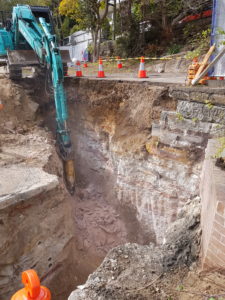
(139, 151)
(144, 144)
(151, 142)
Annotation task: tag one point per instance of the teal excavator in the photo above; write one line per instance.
(27, 38)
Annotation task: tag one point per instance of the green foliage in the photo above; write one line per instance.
(174, 49)
(137, 13)
(202, 41)
(153, 50)
(106, 29)
(193, 54)
(8, 5)
(65, 29)
(90, 48)
(195, 120)
(208, 104)
(179, 116)
(188, 30)
(180, 288)
(122, 46)
(172, 7)
(221, 148)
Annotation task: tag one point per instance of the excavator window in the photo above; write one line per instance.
(43, 12)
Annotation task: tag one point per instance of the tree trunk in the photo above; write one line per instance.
(114, 20)
(99, 43)
(166, 27)
(95, 44)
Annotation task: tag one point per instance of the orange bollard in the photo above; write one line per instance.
(33, 290)
(1, 106)
(142, 71)
(78, 72)
(192, 70)
(119, 64)
(101, 73)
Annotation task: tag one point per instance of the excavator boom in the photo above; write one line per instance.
(34, 41)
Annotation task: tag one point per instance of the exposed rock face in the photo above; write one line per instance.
(132, 145)
(159, 180)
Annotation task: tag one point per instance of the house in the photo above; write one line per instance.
(77, 44)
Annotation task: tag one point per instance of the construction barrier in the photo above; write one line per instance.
(192, 71)
(33, 289)
(138, 58)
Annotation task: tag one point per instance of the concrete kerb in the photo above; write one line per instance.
(21, 183)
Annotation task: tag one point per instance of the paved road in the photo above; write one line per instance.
(170, 78)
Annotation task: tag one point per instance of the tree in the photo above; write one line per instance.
(88, 14)
(7, 5)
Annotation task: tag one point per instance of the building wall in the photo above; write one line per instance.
(213, 211)
(78, 43)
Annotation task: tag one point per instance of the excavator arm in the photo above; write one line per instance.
(38, 34)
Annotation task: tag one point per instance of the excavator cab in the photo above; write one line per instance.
(18, 51)
(43, 12)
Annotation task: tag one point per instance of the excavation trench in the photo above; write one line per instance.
(131, 184)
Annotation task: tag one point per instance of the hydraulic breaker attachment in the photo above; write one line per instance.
(69, 175)
(66, 153)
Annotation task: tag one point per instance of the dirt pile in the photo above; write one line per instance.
(129, 268)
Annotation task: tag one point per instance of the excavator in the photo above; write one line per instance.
(28, 39)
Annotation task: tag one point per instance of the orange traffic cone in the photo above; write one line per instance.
(85, 65)
(33, 289)
(1, 106)
(142, 71)
(119, 64)
(78, 72)
(101, 73)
